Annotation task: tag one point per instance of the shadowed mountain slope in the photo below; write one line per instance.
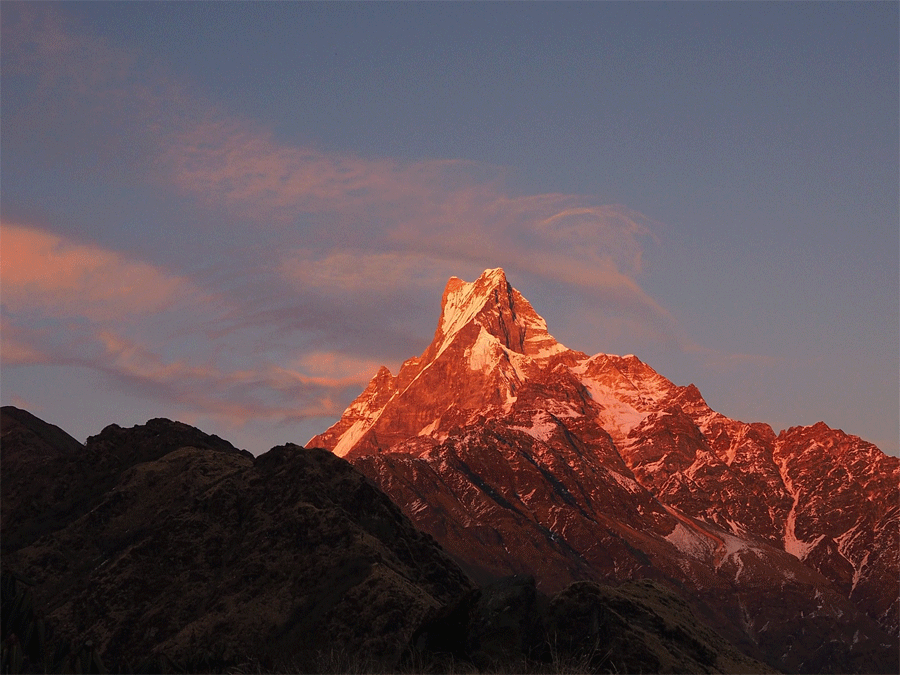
(50, 479)
(212, 558)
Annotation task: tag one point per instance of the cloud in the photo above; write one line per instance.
(342, 368)
(377, 223)
(229, 161)
(18, 347)
(348, 271)
(346, 250)
(725, 362)
(44, 271)
(238, 396)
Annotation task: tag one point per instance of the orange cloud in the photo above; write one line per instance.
(46, 271)
(343, 368)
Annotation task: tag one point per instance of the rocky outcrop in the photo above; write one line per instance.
(523, 457)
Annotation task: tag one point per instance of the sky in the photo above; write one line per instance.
(231, 214)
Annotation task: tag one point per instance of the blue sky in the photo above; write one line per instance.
(232, 213)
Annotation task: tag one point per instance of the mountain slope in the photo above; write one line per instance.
(204, 559)
(520, 455)
(50, 479)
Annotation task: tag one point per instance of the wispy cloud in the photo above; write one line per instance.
(725, 362)
(357, 271)
(64, 303)
(336, 206)
(39, 269)
(18, 346)
(384, 222)
(241, 395)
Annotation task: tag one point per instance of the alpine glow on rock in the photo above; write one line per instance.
(521, 456)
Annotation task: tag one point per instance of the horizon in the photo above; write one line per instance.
(233, 215)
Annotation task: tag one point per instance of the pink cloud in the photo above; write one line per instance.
(725, 362)
(353, 271)
(341, 369)
(39, 270)
(454, 214)
(238, 396)
(228, 161)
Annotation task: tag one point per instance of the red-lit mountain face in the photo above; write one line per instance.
(522, 456)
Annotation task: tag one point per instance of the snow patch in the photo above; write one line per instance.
(690, 542)
(464, 302)
(616, 415)
(542, 426)
(561, 410)
(548, 351)
(519, 362)
(629, 484)
(482, 353)
(509, 402)
(351, 436)
(792, 544)
(428, 429)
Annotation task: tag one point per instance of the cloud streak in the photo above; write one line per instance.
(78, 293)
(39, 269)
(238, 396)
(439, 214)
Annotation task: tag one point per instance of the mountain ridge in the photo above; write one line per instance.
(570, 466)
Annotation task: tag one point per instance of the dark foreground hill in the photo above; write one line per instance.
(159, 548)
(50, 479)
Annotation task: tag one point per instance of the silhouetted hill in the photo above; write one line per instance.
(50, 479)
(213, 558)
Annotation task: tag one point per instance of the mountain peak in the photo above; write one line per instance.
(520, 456)
(462, 300)
(500, 310)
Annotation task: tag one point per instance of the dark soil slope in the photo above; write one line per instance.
(509, 626)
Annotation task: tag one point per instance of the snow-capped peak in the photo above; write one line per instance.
(490, 302)
(463, 300)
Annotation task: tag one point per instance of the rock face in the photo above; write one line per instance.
(521, 456)
(203, 558)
